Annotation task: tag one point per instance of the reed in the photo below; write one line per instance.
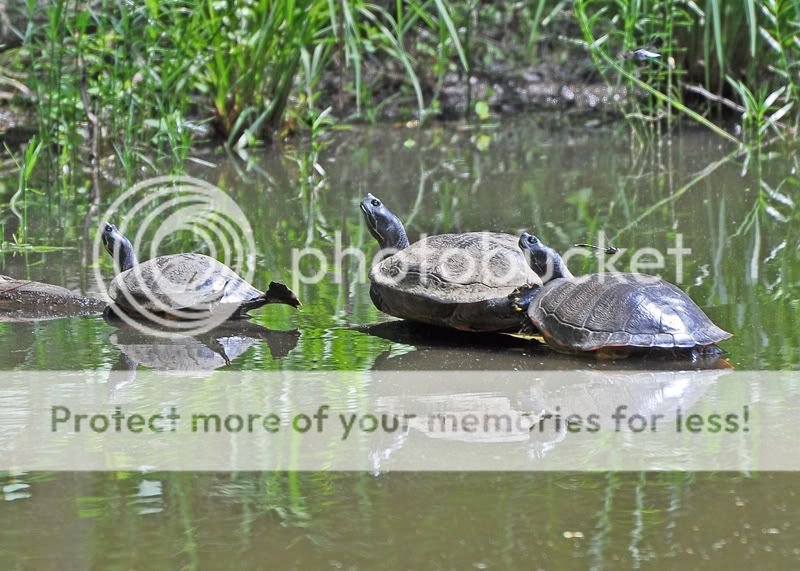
(696, 61)
(159, 76)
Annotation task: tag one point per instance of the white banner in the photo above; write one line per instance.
(382, 421)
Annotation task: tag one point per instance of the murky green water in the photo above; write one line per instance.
(567, 185)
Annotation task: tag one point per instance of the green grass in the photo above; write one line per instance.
(142, 83)
(156, 73)
(18, 205)
(702, 54)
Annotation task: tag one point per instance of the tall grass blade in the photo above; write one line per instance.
(752, 24)
(444, 13)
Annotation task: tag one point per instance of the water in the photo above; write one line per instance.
(566, 184)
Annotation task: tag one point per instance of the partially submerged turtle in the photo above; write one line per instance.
(612, 312)
(462, 281)
(24, 300)
(180, 284)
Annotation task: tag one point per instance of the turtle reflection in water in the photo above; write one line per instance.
(611, 313)
(212, 350)
(181, 285)
(528, 406)
(184, 353)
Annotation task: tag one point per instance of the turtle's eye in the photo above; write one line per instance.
(376, 202)
(531, 239)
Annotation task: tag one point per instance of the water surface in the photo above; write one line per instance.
(565, 184)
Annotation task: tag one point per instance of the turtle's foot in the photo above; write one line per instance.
(522, 297)
(279, 293)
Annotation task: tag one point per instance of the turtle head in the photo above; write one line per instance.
(119, 247)
(543, 260)
(384, 226)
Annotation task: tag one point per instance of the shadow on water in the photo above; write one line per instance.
(431, 348)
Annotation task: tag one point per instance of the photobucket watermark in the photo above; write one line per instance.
(430, 261)
(586, 419)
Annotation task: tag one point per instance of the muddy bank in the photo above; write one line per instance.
(529, 91)
(505, 90)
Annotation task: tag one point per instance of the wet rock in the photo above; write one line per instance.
(24, 300)
(527, 89)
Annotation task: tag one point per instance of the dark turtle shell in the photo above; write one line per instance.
(461, 281)
(620, 310)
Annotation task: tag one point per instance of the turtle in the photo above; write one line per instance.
(177, 285)
(617, 313)
(458, 281)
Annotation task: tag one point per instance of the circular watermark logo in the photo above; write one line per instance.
(190, 294)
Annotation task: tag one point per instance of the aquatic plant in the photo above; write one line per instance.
(18, 205)
(138, 83)
(155, 75)
(685, 57)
